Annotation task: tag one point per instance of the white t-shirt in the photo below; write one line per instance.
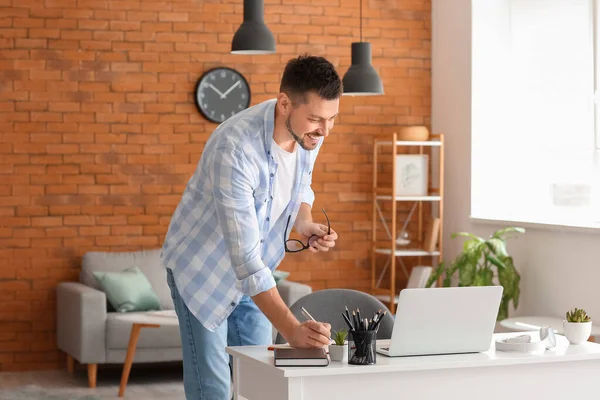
(284, 179)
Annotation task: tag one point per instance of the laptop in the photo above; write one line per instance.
(447, 320)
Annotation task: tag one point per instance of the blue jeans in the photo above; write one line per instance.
(206, 371)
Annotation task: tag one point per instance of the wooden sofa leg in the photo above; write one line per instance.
(70, 363)
(92, 373)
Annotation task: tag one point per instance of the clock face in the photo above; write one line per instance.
(221, 93)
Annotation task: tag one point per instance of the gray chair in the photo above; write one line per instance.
(327, 306)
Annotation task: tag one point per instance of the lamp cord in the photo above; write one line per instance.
(361, 20)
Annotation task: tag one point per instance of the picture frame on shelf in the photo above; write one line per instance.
(412, 174)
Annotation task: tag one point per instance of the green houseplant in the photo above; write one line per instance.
(475, 266)
(340, 337)
(577, 326)
(577, 315)
(338, 351)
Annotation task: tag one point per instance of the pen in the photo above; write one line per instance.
(348, 322)
(310, 317)
(307, 314)
(376, 327)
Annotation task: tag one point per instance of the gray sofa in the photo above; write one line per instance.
(87, 330)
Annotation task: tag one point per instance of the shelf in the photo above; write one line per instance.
(385, 193)
(409, 198)
(426, 232)
(407, 252)
(433, 143)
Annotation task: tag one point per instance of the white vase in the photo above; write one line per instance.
(577, 332)
(338, 353)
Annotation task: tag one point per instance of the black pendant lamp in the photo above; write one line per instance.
(253, 36)
(361, 79)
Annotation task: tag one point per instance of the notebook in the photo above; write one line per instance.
(291, 357)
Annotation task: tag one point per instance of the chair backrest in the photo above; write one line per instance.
(327, 306)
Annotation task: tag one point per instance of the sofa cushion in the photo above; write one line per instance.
(148, 261)
(128, 290)
(119, 330)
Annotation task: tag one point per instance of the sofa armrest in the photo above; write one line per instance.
(81, 322)
(291, 291)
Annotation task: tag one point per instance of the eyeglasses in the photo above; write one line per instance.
(295, 245)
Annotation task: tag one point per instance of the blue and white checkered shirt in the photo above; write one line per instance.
(221, 243)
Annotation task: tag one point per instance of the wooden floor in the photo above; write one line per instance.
(147, 382)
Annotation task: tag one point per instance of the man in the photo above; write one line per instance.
(229, 231)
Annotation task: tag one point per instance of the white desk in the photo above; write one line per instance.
(565, 372)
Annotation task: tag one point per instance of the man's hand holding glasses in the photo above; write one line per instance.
(314, 236)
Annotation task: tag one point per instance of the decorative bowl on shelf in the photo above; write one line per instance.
(402, 239)
(413, 133)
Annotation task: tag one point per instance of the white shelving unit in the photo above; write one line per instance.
(388, 194)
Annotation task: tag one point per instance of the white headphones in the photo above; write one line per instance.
(547, 337)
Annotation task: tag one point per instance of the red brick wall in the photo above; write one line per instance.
(99, 133)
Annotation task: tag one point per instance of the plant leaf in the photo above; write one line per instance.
(510, 279)
(467, 234)
(483, 277)
(471, 245)
(498, 246)
(467, 267)
(512, 229)
(502, 310)
(449, 274)
(495, 260)
(436, 274)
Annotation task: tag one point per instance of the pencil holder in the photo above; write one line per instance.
(362, 347)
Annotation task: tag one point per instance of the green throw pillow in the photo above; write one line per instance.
(280, 276)
(128, 290)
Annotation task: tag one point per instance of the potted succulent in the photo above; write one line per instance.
(338, 351)
(484, 262)
(577, 326)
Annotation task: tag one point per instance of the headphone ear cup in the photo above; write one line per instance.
(548, 337)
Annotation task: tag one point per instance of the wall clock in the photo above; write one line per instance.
(221, 93)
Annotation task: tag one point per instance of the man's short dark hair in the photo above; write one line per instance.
(305, 74)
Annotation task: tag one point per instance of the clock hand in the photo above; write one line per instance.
(229, 90)
(216, 90)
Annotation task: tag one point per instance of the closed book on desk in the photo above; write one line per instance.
(315, 357)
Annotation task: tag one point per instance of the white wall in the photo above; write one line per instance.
(559, 269)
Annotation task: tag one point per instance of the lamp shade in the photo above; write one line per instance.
(253, 36)
(361, 79)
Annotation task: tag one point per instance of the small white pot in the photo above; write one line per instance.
(577, 332)
(338, 353)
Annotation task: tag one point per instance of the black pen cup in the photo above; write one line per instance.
(362, 347)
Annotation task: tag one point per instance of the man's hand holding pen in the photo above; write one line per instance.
(310, 333)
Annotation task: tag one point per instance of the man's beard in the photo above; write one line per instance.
(297, 138)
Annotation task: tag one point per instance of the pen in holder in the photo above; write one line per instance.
(362, 347)
(362, 337)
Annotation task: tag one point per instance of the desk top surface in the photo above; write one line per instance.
(561, 353)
